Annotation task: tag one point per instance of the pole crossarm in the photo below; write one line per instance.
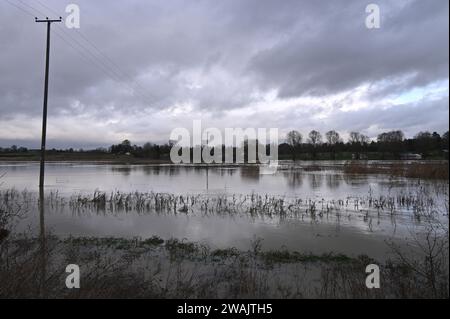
(48, 20)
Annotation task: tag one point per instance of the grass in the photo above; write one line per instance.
(285, 256)
(82, 157)
(145, 268)
(225, 253)
(184, 249)
(113, 242)
(254, 205)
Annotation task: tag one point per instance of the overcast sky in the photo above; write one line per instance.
(138, 69)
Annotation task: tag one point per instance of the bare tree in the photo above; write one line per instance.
(315, 139)
(358, 138)
(357, 141)
(294, 139)
(431, 262)
(332, 139)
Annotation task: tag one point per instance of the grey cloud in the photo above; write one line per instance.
(342, 53)
(220, 56)
(409, 117)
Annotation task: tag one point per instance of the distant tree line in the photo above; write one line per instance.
(392, 144)
(388, 145)
(14, 149)
(148, 150)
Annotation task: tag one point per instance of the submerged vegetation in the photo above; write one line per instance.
(32, 263)
(419, 204)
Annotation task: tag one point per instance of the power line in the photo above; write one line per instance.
(102, 67)
(80, 52)
(32, 8)
(20, 8)
(99, 51)
(90, 56)
(116, 69)
(87, 57)
(67, 42)
(111, 61)
(47, 7)
(117, 76)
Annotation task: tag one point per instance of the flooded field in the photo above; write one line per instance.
(312, 179)
(308, 206)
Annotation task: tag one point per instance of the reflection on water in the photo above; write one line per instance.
(294, 179)
(250, 174)
(350, 236)
(315, 180)
(325, 182)
(42, 244)
(333, 181)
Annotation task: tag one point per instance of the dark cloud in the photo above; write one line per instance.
(179, 60)
(340, 53)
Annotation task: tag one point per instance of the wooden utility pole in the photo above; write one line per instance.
(44, 112)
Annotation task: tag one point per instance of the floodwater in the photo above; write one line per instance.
(352, 233)
(312, 179)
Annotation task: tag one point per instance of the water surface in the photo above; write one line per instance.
(353, 233)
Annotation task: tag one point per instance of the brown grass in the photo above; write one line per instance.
(425, 170)
(111, 270)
